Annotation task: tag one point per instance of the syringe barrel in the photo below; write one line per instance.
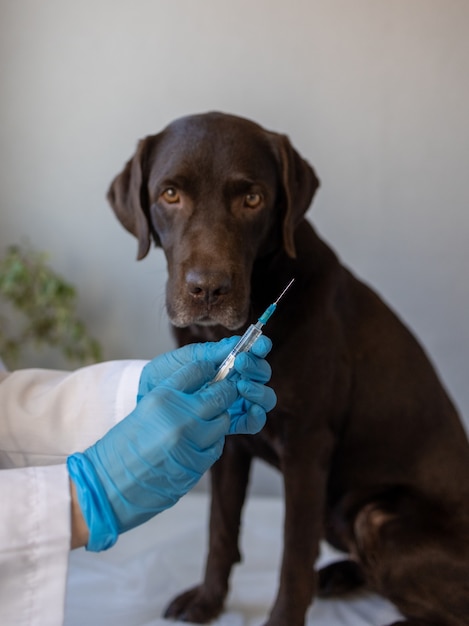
(248, 339)
(244, 344)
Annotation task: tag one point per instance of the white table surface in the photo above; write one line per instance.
(130, 584)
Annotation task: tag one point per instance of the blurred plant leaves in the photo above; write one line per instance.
(47, 306)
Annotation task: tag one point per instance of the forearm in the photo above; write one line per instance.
(79, 529)
(47, 415)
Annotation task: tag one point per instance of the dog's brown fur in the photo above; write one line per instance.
(372, 451)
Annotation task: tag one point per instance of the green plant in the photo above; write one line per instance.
(46, 303)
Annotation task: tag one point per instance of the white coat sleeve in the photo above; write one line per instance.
(45, 416)
(34, 545)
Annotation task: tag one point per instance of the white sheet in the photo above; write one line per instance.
(131, 584)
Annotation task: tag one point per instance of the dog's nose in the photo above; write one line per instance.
(207, 286)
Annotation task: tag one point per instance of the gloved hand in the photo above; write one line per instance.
(156, 454)
(248, 413)
(166, 364)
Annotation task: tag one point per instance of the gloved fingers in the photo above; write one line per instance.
(191, 377)
(216, 398)
(163, 366)
(213, 453)
(250, 422)
(150, 376)
(215, 351)
(159, 368)
(253, 367)
(212, 399)
(262, 346)
(201, 436)
(257, 394)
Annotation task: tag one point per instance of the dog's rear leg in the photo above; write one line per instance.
(340, 578)
(417, 555)
(229, 481)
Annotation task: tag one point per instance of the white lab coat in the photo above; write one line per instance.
(45, 416)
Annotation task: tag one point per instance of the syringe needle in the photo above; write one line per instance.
(248, 339)
(285, 290)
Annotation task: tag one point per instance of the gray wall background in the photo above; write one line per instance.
(375, 94)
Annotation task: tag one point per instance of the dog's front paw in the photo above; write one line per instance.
(196, 605)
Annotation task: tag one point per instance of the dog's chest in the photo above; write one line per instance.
(266, 445)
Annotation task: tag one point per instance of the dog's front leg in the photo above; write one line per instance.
(229, 482)
(304, 468)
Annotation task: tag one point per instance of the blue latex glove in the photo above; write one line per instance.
(249, 411)
(145, 463)
(166, 364)
(156, 454)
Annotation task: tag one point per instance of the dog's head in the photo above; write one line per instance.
(216, 192)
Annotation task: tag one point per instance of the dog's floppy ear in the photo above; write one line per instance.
(299, 182)
(128, 196)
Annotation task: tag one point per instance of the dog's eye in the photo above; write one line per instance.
(253, 200)
(171, 196)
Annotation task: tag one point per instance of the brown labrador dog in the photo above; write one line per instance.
(373, 455)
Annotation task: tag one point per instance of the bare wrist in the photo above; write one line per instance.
(80, 532)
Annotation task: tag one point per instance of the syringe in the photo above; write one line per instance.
(248, 339)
